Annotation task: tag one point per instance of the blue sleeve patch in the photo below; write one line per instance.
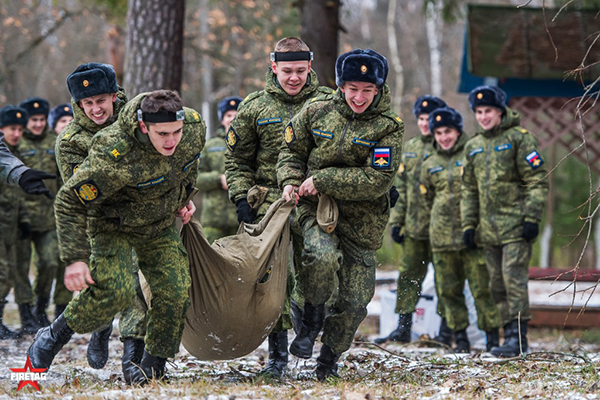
(151, 182)
(410, 154)
(268, 121)
(27, 153)
(382, 158)
(189, 164)
(502, 147)
(435, 170)
(216, 149)
(288, 134)
(363, 142)
(232, 139)
(459, 163)
(49, 151)
(534, 159)
(87, 191)
(323, 134)
(475, 151)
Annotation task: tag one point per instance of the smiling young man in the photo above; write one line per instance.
(137, 178)
(344, 145)
(441, 179)
(59, 117)
(254, 142)
(503, 197)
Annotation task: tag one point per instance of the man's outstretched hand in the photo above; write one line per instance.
(32, 182)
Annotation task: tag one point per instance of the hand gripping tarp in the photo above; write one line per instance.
(238, 285)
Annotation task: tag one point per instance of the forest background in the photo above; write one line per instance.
(225, 51)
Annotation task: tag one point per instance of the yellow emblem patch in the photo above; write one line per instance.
(424, 104)
(115, 153)
(87, 192)
(438, 118)
(363, 69)
(422, 189)
(288, 135)
(480, 96)
(401, 169)
(231, 139)
(66, 109)
(19, 115)
(196, 116)
(86, 83)
(36, 105)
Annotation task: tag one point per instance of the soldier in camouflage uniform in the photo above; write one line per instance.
(14, 224)
(96, 106)
(344, 145)
(254, 141)
(441, 180)
(137, 178)
(36, 150)
(59, 117)
(218, 216)
(503, 197)
(409, 220)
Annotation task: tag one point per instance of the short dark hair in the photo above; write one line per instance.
(162, 100)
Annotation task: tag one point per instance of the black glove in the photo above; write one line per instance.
(469, 239)
(393, 196)
(244, 211)
(530, 231)
(25, 229)
(398, 238)
(31, 182)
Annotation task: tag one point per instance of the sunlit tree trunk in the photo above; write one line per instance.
(433, 40)
(396, 64)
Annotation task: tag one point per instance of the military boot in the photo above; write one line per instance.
(151, 367)
(516, 343)
(29, 324)
(39, 311)
(401, 333)
(462, 341)
(303, 344)
(296, 314)
(327, 364)
(278, 355)
(133, 351)
(445, 334)
(493, 339)
(59, 309)
(48, 342)
(97, 350)
(507, 332)
(6, 333)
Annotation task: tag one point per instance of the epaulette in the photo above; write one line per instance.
(67, 134)
(392, 115)
(192, 116)
(325, 90)
(119, 150)
(252, 96)
(322, 97)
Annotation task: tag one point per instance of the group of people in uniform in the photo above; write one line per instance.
(129, 168)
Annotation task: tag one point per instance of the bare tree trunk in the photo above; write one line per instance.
(433, 41)
(546, 239)
(154, 48)
(320, 26)
(395, 56)
(207, 68)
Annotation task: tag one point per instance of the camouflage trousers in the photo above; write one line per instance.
(451, 270)
(164, 262)
(62, 295)
(325, 256)
(46, 248)
(509, 275)
(7, 268)
(416, 255)
(213, 232)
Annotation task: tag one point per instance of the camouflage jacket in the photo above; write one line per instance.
(217, 210)
(351, 157)
(74, 141)
(502, 186)
(441, 179)
(12, 211)
(125, 185)
(11, 168)
(254, 138)
(37, 151)
(411, 210)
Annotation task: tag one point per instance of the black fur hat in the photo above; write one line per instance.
(36, 106)
(58, 112)
(361, 66)
(487, 96)
(445, 116)
(426, 104)
(92, 79)
(228, 103)
(13, 115)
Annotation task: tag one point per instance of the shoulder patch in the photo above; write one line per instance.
(267, 121)
(191, 162)
(382, 158)
(475, 151)
(119, 150)
(323, 134)
(364, 142)
(410, 154)
(49, 151)
(435, 170)
(534, 159)
(27, 153)
(232, 138)
(87, 191)
(216, 149)
(502, 147)
(288, 134)
(152, 182)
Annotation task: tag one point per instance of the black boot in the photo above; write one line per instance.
(29, 324)
(401, 333)
(278, 355)
(327, 364)
(493, 339)
(303, 344)
(507, 332)
(6, 333)
(516, 344)
(39, 311)
(48, 342)
(133, 351)
(462, 341)
(296, 314)
(59, 309)
(151, 367)
(445, 335)
(97, 350)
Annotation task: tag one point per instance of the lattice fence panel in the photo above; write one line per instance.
(553, 121)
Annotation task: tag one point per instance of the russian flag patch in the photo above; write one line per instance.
(382, 157)
(534, 159)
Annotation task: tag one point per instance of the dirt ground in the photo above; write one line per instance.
(561, 365)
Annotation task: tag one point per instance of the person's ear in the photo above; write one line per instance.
(274, 67)
(143, 127)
